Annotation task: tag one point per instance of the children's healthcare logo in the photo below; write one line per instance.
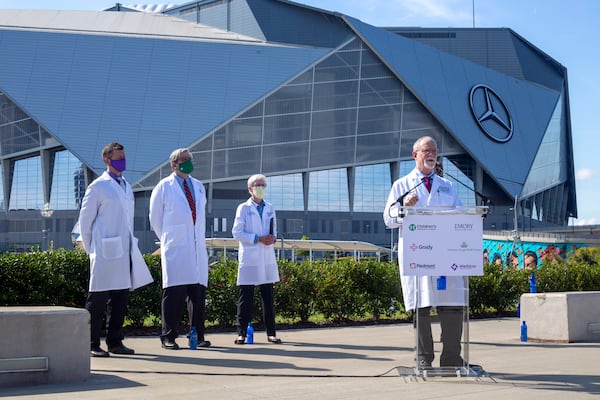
(412, 227)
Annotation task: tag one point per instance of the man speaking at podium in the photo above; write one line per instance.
(423, 188)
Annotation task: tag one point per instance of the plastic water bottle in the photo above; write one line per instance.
(524, 332)
(532, 283)
(441, 283)
(193, 338)
(250, 334)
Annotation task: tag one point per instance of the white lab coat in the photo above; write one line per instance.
(184, 259)
(106, 225)
(442, 194)
(257, 264)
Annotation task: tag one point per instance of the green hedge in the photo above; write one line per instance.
(334, 290)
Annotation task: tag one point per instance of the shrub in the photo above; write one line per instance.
(295, 292)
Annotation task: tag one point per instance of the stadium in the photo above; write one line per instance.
(323, 104)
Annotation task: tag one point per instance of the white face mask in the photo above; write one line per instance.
(259, 191)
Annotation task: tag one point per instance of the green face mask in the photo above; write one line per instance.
(186, 167)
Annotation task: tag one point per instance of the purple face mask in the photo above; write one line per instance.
(119, 165)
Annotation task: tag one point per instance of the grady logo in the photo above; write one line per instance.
(413, 247)
(491, 113)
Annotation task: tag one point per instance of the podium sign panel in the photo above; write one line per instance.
(442, 244)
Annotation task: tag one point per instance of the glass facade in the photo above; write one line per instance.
(26, 191)
(286, 192)
(328, 191)
(68, 182)
(331, 140)
(371, 187)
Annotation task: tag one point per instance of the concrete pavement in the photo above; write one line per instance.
(366, 362)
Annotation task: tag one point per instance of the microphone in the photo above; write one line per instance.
(271, 226)
(401, 198)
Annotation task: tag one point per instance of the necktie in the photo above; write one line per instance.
(190, 199)
(427, 180)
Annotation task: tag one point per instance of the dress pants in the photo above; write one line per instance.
(451, 323)
(246, 303)
(173, 301)
(113, 304)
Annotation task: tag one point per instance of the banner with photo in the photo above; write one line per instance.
(442, 244)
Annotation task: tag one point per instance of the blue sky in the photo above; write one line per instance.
(565, 30)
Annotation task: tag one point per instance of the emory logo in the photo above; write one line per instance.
(464, 245)
(463, 227)
(490, 113)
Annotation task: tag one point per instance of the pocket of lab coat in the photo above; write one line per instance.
(249, 256)
(112, 248)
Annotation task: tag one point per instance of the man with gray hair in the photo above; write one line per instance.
(423, 188)
(177, 217)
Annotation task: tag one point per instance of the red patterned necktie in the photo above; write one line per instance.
(190, 199)
(427, 180)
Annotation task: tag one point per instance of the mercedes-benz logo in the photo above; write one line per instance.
(491, 113)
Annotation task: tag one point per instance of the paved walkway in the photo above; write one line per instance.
(365, 362)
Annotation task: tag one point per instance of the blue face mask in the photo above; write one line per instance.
(119, 165)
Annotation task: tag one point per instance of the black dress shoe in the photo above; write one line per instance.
(98, 352)
(170, 345)
(204, 343)
(120, 349)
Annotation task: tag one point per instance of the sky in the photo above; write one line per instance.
(565, 30)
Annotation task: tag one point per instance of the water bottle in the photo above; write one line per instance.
(524, 332)
(250, 334)
(441, 283)
(532, 283)
(193, 338)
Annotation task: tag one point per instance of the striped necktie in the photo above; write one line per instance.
(190, 199)
(427, 180)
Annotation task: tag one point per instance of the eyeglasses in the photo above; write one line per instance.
(260, 185)
(428, 151)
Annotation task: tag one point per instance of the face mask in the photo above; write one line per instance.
(119, 165)
(186, 167)
(259, 191)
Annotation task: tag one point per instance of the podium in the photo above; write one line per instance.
(439, 245)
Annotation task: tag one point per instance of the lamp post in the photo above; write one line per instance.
(46, 212)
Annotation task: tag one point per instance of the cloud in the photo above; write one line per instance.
(444, 10)
(588, 221)
(584, 174)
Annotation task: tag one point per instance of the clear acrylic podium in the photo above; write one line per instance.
(442, 241)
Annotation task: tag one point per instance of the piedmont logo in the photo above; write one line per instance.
(413, 265)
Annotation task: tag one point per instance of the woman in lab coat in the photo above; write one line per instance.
(116, 264)
(255, 227)
(180, 223)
